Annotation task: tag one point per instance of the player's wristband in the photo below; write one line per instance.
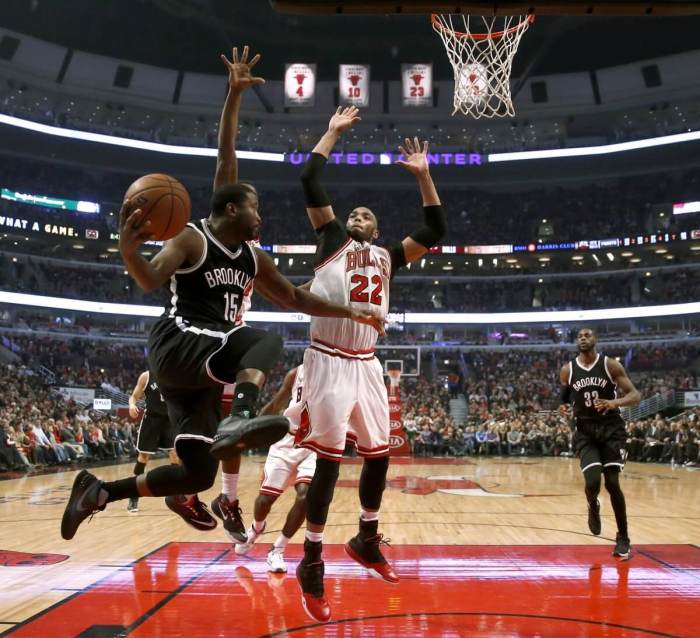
(565, 394)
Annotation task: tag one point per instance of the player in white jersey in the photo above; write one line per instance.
(344, 393)
(285, 465)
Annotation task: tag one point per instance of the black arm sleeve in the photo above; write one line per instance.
(434, 228)
(565, 394)
(315, 194)
(331, 237)
(398, 257)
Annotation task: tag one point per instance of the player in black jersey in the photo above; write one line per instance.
(155, 431)
(201, 342)
(591, 383)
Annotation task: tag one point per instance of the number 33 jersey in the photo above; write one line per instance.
(357, 274)
(211, 294)
(590, 383)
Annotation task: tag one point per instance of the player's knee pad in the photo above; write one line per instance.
(320, 494)
(612, 481)
(373, 482)
(592, 476)
(199, 466)
(264, 354)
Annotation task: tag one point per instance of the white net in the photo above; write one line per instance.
(481, 50)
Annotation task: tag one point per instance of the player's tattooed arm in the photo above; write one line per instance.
(185, 248)
(272, 285)
(631, 395)
(137, 394)
(240, 78)
(415, 161)
(318, 205)
(565, 388)
(282, 396)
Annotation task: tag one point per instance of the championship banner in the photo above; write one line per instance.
(299, 84)
(354, 84)
(417, 83)
(398, 443)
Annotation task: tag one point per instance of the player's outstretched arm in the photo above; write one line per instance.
(282, 396)
(270, 283)
(151, 275)
(417, 244)
(631, 395)
(318, 205)
(240, 78)
(137, 394)
(565, 391)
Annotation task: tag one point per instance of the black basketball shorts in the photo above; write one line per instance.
(155, 433)
(601, 442)
(191, 366)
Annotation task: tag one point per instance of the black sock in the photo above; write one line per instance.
(312, 551)
(368, 529)
(139, 468)
(244, 400)
(121, 489)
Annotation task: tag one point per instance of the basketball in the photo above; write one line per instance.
(164, 201)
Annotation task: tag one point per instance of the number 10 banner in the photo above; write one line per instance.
(299, 84)
(354, 84)
(417, 80)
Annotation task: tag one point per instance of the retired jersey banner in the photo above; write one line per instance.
(299, 84)
(354, 84)
(417, 82)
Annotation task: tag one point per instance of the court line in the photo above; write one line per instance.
(419, 615)
(46, 610)
(674, 568)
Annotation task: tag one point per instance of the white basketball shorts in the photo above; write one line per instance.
(285, 465)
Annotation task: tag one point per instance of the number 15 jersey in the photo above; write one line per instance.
(211, 293)
(356, 274)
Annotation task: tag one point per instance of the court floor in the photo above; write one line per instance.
(496, 547)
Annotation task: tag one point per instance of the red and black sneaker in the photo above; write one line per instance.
(192, 511)
(364, 549)
(84, 501)
(313, 599)
(231, 515)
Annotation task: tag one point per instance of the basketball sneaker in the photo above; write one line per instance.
(364, 549)
(622, 547)
(252, 535)
(230, 514)
(275, 561)
(310, 578)
(133, 505)
(84, 501)
(192, 511)
(594, 517)
(236, 433)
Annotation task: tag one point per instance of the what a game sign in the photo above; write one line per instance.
(417, 83)
(354, 84)
(299, 84)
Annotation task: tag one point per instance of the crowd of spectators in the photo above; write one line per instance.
(38, 427)
(621, 207)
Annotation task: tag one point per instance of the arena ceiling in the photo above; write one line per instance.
(190, 34)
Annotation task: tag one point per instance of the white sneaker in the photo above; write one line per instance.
(275, 561)
(243, 548)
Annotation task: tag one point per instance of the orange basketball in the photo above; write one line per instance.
(164, 202)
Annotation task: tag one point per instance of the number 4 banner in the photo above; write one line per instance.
(354, 84)
(299, 84)
(417, 80)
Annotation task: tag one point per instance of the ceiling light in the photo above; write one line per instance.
(626, 254)
(544, 260)
(661, 251)
(635, 260)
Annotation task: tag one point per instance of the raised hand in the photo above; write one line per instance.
(415, 159)
(240, 75)
(133, 231)
(343, 119)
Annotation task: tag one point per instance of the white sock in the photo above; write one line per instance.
(229, 486)
(368, 515)
(314, 537)
(280, 543)
(258, 526)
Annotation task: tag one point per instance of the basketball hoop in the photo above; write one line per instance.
(394, 378)
(481, 50)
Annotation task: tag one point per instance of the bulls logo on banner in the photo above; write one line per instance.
(299, 84)
(354, 84)
(417, 84)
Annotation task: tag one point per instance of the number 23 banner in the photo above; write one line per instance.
(354, 84)
(417, 81)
